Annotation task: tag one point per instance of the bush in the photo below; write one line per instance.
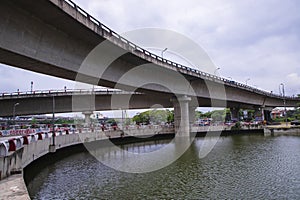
(237, 126)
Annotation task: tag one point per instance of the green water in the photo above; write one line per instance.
(238, 167)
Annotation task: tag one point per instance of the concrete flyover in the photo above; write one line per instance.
(55, 36)
(41, 102)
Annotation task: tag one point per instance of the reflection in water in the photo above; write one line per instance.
(238, 167)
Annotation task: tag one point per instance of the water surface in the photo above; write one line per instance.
(247, 167)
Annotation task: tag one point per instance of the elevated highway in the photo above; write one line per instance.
(58, 38)
(55, 36)
(41, 102)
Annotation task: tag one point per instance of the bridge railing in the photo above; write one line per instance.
(12, 140)
(37, 93)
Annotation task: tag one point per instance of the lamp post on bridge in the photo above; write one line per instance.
(248, 79)
(162, 53)
(215, 72)
(31, 87)
(52, 147)
(281, 88)
(14, 112)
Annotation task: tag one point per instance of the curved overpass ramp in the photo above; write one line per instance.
(54, 37)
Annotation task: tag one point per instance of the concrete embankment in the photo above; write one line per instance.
(282, 130)
(18, 152)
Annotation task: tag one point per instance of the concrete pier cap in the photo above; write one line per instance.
(87, 117)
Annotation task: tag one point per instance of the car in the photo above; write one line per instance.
(295, 122)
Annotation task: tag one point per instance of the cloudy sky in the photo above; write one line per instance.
(249, 39)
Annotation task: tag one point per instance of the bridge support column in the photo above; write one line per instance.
(87, 117)
(235, 113)
(182, 115)
(192, 111)
(266, 113)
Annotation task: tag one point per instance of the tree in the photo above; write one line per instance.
(218, 115)
(170, 117)
(154, 117)
(33, 121)
(111, 121)
(199, 115)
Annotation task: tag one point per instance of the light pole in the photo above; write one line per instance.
(52, 147)
(31, 86)
(283, 95)
(162, 53)
(248, 79)
(216, 70)
(53, 120)
(122, 119)
(14, 111)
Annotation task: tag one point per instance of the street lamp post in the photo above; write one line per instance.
(284, 103)
(162, 53)
(14, 111)
(216, 70)
(52, 147)
(248, 79)
(53, 120)
(31, 86)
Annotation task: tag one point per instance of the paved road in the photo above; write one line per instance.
(13, 188)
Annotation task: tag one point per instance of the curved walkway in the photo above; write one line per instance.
(16, 152)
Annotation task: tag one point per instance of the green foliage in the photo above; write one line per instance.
(251, 114)
(170, 117)
(33, 121)
(127, 121)
(154, 117)
(218, 115)
(111, 121)
(291, 116)
(237, 126)
(63, 121)
(199, 114)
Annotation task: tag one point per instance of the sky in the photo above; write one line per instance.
(253, 40)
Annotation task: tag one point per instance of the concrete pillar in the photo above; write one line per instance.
(87, 117)
(181, 115)
(235, 113)
(267, 115)
(192, 111)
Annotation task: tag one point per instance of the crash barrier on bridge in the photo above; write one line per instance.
(18, 142)
(19, 151)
